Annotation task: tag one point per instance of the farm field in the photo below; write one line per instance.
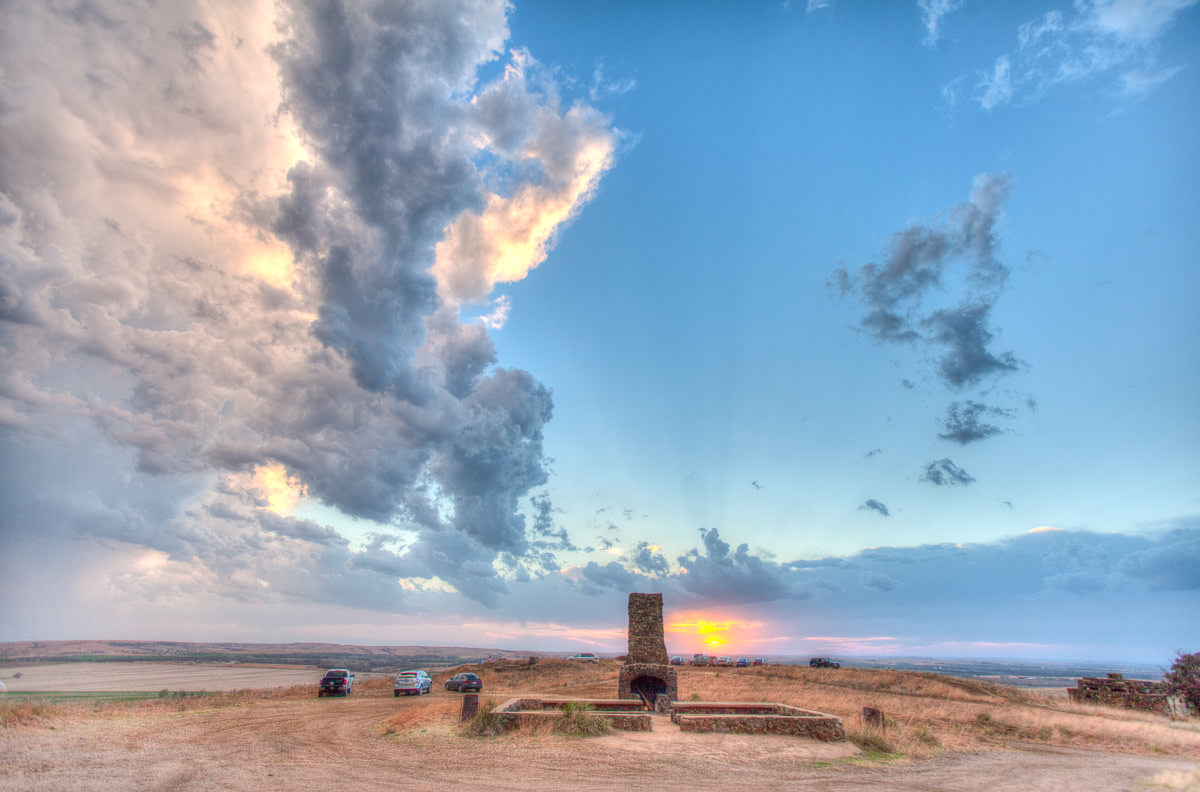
(150, 676)
(943, 733)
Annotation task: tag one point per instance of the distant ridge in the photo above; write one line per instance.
(306, 653)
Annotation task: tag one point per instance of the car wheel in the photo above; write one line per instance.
(396, 693)
(320, 693)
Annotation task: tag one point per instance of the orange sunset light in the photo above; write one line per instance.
(712, 632)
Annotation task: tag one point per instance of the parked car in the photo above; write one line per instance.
(336, 682)
(723, 661)
(413, 682)
(742, 662)
(823, 662)
(464, 683)
(676, 660)
(701, 660)
(758, 661)
(589, 657)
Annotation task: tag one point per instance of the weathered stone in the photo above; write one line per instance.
(470, 706)
(1116, 691)
(646, 673)
(873, 717)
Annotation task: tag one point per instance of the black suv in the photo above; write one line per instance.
(823, 662)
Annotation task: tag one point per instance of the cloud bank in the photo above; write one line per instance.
(233, 246)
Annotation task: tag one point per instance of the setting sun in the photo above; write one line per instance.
(712, 632)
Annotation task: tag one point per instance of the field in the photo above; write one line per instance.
(262, 728)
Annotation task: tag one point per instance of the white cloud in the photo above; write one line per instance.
(1095, 39)
(932, 12)
(997, 87)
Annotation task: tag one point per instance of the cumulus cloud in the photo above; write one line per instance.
(965, 422)
(648, 558)
(246, 233)
(1096, 38)
(511, 234)
(873, 505)
(945, 473)
(717, 574)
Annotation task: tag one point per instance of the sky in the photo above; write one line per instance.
(853, 328)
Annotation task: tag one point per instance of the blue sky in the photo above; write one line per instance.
(852, 328)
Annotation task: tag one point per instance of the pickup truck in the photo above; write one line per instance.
(336, 682)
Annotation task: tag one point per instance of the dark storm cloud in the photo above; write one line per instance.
(945, 473)
(873, 505)
(965, 422)
(223, 304)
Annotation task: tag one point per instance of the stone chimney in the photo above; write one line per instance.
(647, 671)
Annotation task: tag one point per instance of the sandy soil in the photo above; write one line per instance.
(372, 741)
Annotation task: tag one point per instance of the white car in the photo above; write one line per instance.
(589, 657)
(412, 682)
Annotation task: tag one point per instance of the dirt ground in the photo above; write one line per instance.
(371, 741)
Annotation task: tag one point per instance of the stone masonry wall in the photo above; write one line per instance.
(1116, 691)
(646, 642)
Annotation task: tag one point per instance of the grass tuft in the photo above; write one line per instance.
(487, 721)
(579, 719)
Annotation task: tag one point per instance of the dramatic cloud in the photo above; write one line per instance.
(873, 505)
(945, 473)
(957, 251)
(1095, 38)
(964, 422)
(718, 575)
(200, 285)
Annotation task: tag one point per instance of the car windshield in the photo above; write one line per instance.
(470, 677)
(336, 674)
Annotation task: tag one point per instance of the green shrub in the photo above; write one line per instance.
(1184, 678)
(580, 720)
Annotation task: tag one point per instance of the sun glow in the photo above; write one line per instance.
(280, 490)
(713, 632)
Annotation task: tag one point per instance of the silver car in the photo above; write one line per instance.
(412, 682)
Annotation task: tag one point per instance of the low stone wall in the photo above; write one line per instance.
(1116, 691)
(600, 705)
(827, 728)
(528, 712)
(703, 716)
(761, 718)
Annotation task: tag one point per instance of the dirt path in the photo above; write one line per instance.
(331, 744)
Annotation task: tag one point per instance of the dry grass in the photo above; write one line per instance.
(926, 713)
(30, 710)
